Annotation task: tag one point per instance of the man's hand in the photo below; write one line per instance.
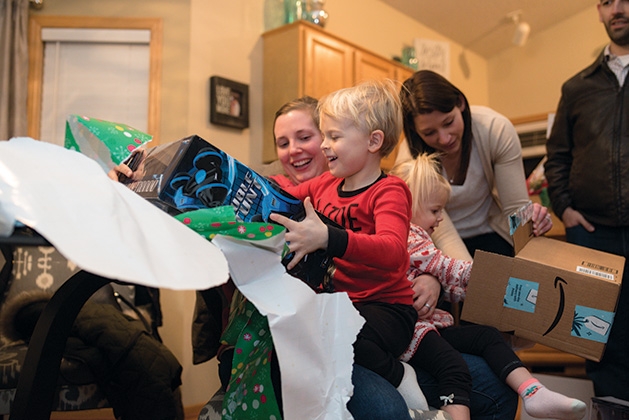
(572, 218)
(303, 237)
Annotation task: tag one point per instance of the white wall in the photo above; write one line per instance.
(527, 80)
(383, 30)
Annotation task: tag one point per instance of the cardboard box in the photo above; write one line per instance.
(191, 174)
(609, 408)
(552, 292)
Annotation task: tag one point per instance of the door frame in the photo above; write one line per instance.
(36, 61)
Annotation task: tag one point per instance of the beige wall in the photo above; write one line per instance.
(383, 30)
(225, 42)
(205, 38)
(525, 81)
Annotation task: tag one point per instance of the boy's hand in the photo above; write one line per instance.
(303, 237)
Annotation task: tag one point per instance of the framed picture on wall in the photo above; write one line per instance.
(229, 103)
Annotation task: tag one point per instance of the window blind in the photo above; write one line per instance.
(99, 73)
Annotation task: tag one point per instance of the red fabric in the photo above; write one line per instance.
(377, 220)
(453, 274)
(282, 180)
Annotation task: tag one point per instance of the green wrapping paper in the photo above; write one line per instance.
(108, 143)
(250, 391)
(222, 220)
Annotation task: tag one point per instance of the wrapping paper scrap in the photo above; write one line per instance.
(108, 143)
(312, 333)
(221, 220)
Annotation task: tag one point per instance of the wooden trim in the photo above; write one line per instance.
(36, 61)
(35, 75)
(155, 80)
(530, 118)
(99, 414)
(190, 413)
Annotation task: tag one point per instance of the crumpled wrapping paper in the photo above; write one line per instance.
(109, 230)
(312, 333)
(100, 224)
(107, 142)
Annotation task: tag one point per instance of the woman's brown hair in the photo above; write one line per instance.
(425, 92)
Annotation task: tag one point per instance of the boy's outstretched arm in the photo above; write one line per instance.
(303, 237)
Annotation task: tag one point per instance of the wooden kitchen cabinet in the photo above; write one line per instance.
(369, 67)
(302, 59)
(327, 63)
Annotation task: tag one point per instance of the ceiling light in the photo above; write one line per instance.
(522, 29)
(520, 36)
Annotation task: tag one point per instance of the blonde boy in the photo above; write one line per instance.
(361, 125)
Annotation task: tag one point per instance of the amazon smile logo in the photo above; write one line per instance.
(559, 282)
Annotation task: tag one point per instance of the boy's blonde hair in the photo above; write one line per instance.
(372, 105)
(423, 177)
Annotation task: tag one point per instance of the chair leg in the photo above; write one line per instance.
(38, 378)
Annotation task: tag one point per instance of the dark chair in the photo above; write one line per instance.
(35, 378)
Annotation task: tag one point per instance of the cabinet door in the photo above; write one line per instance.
(401, 74)
(327, 64)
(371, 67)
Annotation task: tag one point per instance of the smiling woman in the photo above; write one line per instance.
(479, 152)
(298, 143)
(298, 140)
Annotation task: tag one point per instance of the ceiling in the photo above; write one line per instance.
(482, 26)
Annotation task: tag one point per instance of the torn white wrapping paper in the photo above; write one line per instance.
(312, 333)
(99, 224)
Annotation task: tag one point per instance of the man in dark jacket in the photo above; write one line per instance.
(588, 176)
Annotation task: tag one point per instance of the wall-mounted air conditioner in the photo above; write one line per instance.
(533, 132)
